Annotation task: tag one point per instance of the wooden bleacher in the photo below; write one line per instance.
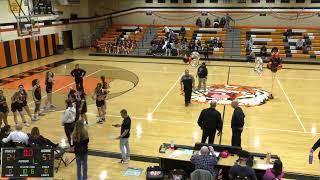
(276, 38)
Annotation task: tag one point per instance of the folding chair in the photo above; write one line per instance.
(58, 155)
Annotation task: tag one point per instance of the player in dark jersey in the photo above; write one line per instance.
(99, 97)
(24, 98)
(105, 87)
(3, 109)
(49, 87)
(36, 94)
(16, 106)
(83, 107)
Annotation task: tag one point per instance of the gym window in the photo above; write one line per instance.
(300, 1)
(315, 1)
(285, 1)
(255, 1)
(213, 1)
(186, 1)
(149, 1)
(270, 1)
(174, 1)
(161, 1)
(200, 1)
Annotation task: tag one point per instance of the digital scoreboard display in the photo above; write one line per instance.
(27, 162)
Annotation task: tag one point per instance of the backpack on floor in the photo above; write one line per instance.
(154, 173)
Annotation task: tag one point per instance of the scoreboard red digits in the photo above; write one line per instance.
(27, 162)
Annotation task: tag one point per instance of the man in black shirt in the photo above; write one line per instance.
(187, 84)
(78, 75)
(124, 137)
(241, 170)
(237, 123)
(210, 121)
(202, 74)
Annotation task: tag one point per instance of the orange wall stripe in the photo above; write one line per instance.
(33, 48)
(42, 48)
(50, 44)
(3, 62)
(24, 50)
(13, 52)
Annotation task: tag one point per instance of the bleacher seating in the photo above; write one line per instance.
(115, 31)
(195, 33)
(277, 38)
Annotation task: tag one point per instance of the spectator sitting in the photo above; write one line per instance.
(275, 172)
(183, 31)
(199, 23)
(215, 42)
(263, 51)
(37, 139)
(241, 170)
(222, 22)
(17, 136)
(219, 42)
(206, 160)
(288, 34)
(207, 23)
(216, 23)
(251, 57)
(198, 45)
(299, 44)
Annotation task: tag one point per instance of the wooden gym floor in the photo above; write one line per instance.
(286, 126)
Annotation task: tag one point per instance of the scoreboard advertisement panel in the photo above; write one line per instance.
(27, 162)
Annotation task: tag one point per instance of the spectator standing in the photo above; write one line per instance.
(237, 123)
(275, 172)
(80, 140)
(124, 136)
(205, 160)
(263, 52)
(241, 170)
(249, 44)
(69, 118)
(210, 121)
(202, 74)
(207, 23)
(187, 84)
(205, 50)
(78, 75)
(199, 23)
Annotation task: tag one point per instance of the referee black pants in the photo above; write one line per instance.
(208, 133)
(236, 137)
(187, 96)
(79, 84)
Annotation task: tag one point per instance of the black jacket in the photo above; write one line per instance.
(237, 118)
(210, 119)
(78, 73)
(81, 148)
(202, 71)
(316, 145)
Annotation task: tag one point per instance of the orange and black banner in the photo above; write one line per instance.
(23, 50)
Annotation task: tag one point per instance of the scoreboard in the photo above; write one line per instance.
(27, 162)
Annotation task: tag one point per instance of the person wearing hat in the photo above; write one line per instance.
(241, 170)
(187, 84)
(202, 74)
(210, 121)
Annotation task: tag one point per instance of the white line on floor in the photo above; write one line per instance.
(178, 80)
(226, 125)
(289, 101)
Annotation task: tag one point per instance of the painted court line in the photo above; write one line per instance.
(226, 125)
(178, 80)
(289, 101)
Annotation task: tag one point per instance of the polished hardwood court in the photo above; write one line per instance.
(150, 90)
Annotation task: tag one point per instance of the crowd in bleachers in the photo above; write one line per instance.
(120, 46)
(217, 23)
(176, 43)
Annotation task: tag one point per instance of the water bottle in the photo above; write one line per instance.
(311, 156)
(172, 145)
(268, 158)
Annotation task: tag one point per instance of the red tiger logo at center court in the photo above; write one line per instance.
(225, 94)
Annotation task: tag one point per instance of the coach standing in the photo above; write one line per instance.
(237, 123)
(210, 121)
(78, 75)
(187, 84)
(202, 74)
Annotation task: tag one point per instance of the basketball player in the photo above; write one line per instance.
(187, 84)
(36, 94)
(99, 97)
(105, 87)
(49, 87)
(83, 107)
(23, 98)
(78, 75)
(16, 106)
(3, 109)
